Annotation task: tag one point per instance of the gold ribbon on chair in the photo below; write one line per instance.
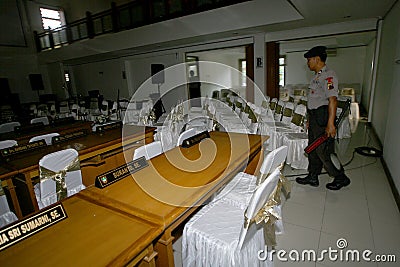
(267, 216)
(59, 177)
(284, 186)
(252, 116)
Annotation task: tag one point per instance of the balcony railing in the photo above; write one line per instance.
(119, 18)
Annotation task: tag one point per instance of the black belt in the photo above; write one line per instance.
(313, 112)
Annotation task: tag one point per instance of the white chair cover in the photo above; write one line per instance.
(167, 136)
(186, 134)
(64, 107)
(6, 216)
(243, 185)
(279, 110)
(287, 113)
(8, 126)
(211, 237)
(200, 124)
(344, 129)
(354, 111)
(296, 143)
(47, 137)
(275, 135)
(273, 103)
(148, 151)
(64, 160)
(43, 120)
(8, 143)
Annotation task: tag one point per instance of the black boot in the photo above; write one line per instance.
(311, 179)
(339, 182)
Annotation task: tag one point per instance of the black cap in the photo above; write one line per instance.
(316, 51)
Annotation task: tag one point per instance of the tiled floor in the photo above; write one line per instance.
(364, 213)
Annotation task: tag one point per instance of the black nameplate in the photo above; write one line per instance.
(195, 139)
(63, 121)
(110, 126)
(68, 136)
(10, 151)
(121, 172)
(31, 225)
(22, 129)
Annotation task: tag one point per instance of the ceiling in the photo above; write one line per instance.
(309, 13)
(318, 12)
(331, 42)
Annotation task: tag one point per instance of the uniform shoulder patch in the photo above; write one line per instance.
(330, 84)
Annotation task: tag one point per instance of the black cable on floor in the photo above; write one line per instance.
(344, 165)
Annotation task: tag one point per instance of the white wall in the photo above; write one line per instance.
(366, 89)
(17, 70)
(105, 76)
(230, 77)
(386, 105)
(348, 64)
(386, 73)
(138, 70)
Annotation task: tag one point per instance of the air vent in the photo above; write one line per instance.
(331, 52)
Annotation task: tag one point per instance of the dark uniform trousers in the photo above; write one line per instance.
(320, 157)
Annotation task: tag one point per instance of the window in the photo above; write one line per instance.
(242, 69)
(282, 68)
(51, 18)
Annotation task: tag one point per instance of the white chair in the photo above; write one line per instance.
(149, 151)
(349, 92)
(60, 177)
(8, 126)
(218, 236)
(104, 107)
(297, 140)
(185, 135)
(284, 94)
(114, 111)
(43, 120)
(242, 186)
(8, 143)
(296, 143)
(48, 138)
(75, 111)
(279, 110)
(344, 129)
(6, 216)
(64, 107)
(272, 103)
(33, 110)
(287, 113)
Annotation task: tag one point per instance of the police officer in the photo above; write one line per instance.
(322, 104)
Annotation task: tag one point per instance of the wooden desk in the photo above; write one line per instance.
(177, 182)
(23, 138)
(91, 236)
(97, 153)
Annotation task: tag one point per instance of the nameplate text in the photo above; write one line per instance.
(195, 139)
(31, 225)
(121, 172)
(10, 151)
(69, 136)
(110, 126)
